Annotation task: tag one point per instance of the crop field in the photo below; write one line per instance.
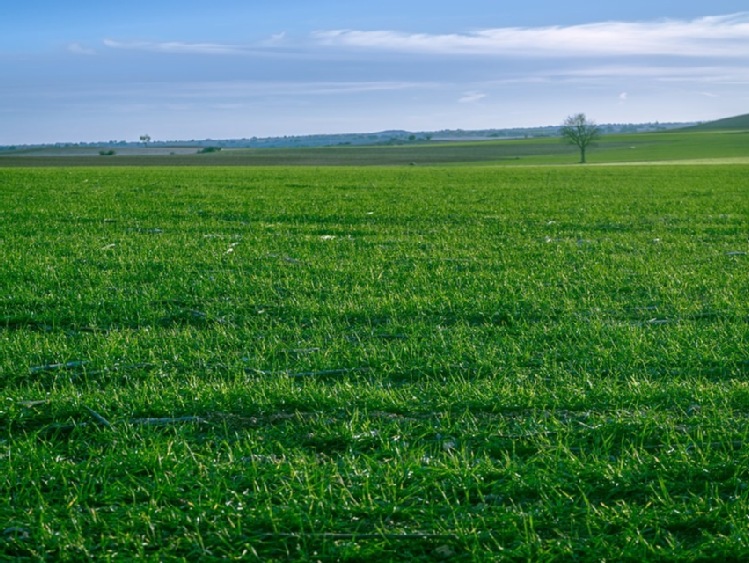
(673, 146)
(408, 363)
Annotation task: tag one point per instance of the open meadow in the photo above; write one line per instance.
(682, 146)
(356, 363)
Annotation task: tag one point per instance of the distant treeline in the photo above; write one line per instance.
(395, 137)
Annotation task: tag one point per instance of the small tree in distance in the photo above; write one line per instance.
(145, 139)
(580, 131)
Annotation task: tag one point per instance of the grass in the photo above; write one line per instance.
(685, 145)
(466, 363)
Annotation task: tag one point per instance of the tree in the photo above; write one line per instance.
(580, 131)
(145, 139)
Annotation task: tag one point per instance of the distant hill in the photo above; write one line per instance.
(383, 138)
(737, 123)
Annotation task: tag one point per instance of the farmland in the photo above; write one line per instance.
(675, 146)
(424, 362)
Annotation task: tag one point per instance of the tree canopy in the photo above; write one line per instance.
(580, 131)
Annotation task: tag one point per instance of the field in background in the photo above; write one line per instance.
(633, 148)
(355, 363)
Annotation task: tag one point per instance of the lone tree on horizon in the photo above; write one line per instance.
(145, 139)
(580, 131)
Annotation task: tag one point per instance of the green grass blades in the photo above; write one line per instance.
(415, 363)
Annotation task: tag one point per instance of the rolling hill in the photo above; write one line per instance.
(736, 123)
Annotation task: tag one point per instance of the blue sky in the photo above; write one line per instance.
(99, 71)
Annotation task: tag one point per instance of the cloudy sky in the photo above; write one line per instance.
(185, 69)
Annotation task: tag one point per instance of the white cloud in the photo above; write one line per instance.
(719, 74)
(182, 96)
(726, 36)
(178, 47)
(471, 97)
(236, 91)
(79, 49)
(623, 96)
(714, 36)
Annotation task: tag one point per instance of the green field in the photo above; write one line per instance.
(422, 363)
(675, 146)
